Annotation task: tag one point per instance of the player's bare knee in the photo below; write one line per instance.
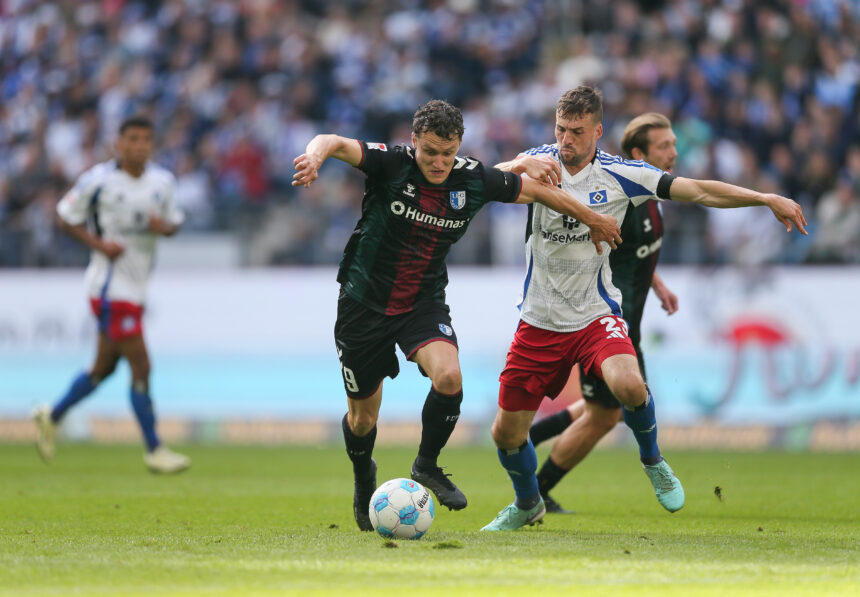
(449, 381)
(507, 438)
(361, 423)
(141, 371)
(141, 386)
(629, 389)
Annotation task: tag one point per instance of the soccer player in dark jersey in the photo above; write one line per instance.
(648, 137)
(418, 201)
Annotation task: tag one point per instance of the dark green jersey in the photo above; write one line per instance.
(395, 257)
(634, 261)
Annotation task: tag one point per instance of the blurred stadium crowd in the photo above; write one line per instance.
(763, 94)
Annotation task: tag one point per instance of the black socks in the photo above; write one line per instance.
(359, 449)
(549, 475)
(438, 419)
(550, 426)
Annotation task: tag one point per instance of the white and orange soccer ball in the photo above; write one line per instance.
(401, 508)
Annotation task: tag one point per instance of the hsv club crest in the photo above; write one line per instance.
(597, 197)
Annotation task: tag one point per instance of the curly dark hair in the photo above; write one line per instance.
(439, 117)
(582, 100)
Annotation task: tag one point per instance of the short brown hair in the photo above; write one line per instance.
(636, 132)
(439, 117)
(580, 101)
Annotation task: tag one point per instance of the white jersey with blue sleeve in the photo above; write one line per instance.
(568, 285)
(116, 206)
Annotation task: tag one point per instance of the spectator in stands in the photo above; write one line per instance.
(780, 79)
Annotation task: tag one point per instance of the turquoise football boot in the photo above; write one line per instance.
(512, 518)
(667, 487)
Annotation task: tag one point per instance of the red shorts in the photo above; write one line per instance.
(118, 320)
(539, 361)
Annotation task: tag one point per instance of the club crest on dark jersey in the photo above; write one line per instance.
(458, 199)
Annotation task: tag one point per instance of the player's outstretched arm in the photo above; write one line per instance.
(604, 229)
(668, 299)
(319, 150)
(713, 193)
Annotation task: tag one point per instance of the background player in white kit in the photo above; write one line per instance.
(118, 209)
(571, 311)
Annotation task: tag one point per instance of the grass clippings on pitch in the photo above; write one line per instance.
(258, 521)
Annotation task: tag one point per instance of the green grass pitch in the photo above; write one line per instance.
(258, 521)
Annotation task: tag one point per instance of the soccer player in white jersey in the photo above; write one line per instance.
(648, 137)
(571, 311)
(119, 208)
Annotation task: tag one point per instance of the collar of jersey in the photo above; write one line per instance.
(146, 168)
(574, 178)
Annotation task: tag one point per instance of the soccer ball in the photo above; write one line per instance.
(401, 508)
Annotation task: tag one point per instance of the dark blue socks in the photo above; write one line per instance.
(643, 422)
(521, 464)
(142, 405)
(81, 387)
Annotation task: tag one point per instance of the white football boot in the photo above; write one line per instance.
(165, 461)
(46, 429)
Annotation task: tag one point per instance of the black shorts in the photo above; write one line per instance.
(365, 340)
(596, 390)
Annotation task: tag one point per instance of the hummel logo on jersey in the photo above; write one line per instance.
(469, 163)
(379, 146)
(458, 199)
(409, 191)
(597, 197)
